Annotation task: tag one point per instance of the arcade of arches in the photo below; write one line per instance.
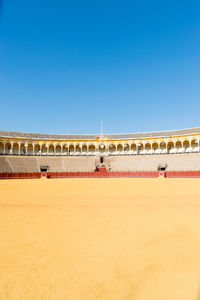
(166, 146)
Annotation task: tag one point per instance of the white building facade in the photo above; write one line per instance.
(152, 143)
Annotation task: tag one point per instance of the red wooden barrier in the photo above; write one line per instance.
(183, 174)
(102, 174)
(19, 175)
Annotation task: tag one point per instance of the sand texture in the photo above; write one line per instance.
(88, 239)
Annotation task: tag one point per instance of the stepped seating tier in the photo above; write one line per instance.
(173, 162)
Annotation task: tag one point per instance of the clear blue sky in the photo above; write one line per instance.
(65, 65)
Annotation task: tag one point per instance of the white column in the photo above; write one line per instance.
(61, 149)
(19, 145)
(67, 149)
(151, 148)
(4, 148)
(190, 142)
(40, 149)
(137, 149)
(96, 148)
(11, 150)
(54, 149)
(129, 148)
(26, 148)
(159, 147)
(33, 149)
(181, 146)
(123, 148)
(47, 146)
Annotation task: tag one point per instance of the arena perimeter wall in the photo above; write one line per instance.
(175, 174)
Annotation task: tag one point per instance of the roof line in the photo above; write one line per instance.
(96, 134)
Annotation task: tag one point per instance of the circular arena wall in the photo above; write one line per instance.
(162, 142)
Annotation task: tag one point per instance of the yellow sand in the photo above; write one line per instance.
(112, 239)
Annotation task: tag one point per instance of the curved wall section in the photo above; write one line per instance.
(152, 143)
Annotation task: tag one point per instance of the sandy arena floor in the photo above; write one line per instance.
(112, 239)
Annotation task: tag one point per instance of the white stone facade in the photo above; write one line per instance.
(172, 143)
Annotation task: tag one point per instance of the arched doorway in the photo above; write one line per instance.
(8, 148)
(186, 146)
(155, 148)
(163, 147)
(71, 149)
(195, 146)
(119, 148)
(102, 148)
(84, 149)
(37, 149)
(30, 149)
(51, 149)
(112, 148)
(126, 148)
(58, 150)
(147, 148)
(133, 148)
(178, 147)
(170, 147)
(91, 149)
(140, 148)
(78, 149)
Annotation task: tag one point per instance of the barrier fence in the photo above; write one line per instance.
(102, 174)
(20, 175)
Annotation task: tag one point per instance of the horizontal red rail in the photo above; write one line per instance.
(102, 174)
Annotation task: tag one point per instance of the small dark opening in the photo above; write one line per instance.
(101, 160)
(162, 167)
(44, 168)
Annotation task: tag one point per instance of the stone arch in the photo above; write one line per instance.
(186, 146)
(51, 149)
(102, 148)
(37, 149)
(140, 148)
(22, 149)
(155, 146)
(163, 146)
(126, 147)
(84, 149)
(43, 149)
(29, 149)
(119, 148)
(1, 148)
(133, 147)
(194, 145)
(58, 149)
(91, 148)
(178, 146)
(78, 149)
(71, 148)
(147, 147)
(65, 149)
(170, 147)
(15, 148)
(8, 148)
(112, 148)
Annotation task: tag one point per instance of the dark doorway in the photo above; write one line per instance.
(101, 160)
(44, 168)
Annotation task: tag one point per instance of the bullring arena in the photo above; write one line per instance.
(169, 153)
(133, 234)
